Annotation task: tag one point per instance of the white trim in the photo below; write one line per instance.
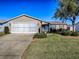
(23, 32)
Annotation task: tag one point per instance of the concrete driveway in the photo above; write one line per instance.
(12, 46)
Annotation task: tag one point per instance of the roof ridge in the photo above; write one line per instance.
(26, 16)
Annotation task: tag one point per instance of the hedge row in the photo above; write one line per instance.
(64, 32)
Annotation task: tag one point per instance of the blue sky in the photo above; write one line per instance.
(41, 9)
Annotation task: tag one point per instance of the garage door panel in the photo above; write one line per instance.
(26, 25)
(20, 25)
(13, 28)
(24, 28)
(33, 29)
(20, 29)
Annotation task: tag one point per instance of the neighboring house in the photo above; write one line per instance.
(70, 27)
(55, 25)
(77, 27)
(1, 25)
(23, 24)
(58, 25)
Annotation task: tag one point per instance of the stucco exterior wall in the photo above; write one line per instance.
(58, 26)
(24, 19)
(71, 28)
(77, 27)
(1, 28)
(65, 26)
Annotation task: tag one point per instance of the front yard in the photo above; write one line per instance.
(2, 33)
(53, 47)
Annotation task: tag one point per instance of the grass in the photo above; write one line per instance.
(2, 33)
(53, 47)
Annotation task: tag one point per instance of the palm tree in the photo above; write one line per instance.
(68, 10)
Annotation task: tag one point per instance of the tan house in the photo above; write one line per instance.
(70, 27)
(23, 24)
(54, 25)
(28, 24)
(58, 25)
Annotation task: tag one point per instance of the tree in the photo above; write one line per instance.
(61, 15)
(68, 10)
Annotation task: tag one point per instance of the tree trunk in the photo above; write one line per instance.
(64, 21)
(73, 26)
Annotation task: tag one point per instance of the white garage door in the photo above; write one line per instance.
(24, 28)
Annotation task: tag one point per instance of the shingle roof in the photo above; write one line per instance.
(2, 21)
(57, 23)
(25, 16)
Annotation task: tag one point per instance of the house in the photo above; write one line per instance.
(58, 25)
(22, 24)
(55, 25)
(70, 27)
(28, 24)
(1, 25)
(77, 27)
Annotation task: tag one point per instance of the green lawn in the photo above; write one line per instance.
(53, 47)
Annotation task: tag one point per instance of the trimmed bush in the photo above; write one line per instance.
(75, 34)
(40, 35)
(6, 30)
(59, 31)
(53, 30)
(66, 33)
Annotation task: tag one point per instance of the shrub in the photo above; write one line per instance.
(6, 30)
(74, 34)
(59, 31)
(50, 30)
(53, 30)
(66, 32)
(40, 35)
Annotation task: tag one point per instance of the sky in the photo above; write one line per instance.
(41, 9)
